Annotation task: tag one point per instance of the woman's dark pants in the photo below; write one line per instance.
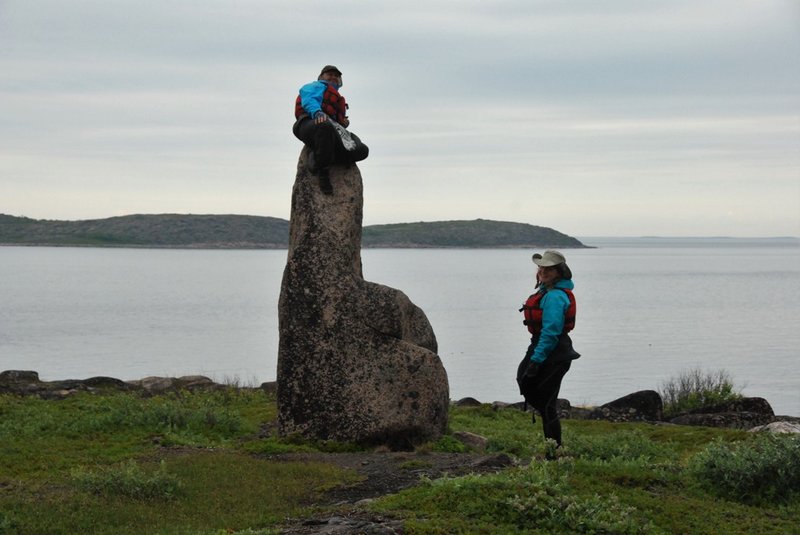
(542, 393)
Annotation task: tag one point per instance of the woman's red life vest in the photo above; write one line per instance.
(332, 103)
(532, 310)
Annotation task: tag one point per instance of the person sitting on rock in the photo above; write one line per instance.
(319, 109)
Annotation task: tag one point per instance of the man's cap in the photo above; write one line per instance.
(330, 68)
(548, 259)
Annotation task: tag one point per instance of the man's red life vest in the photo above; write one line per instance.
(532, 310)
(332, 103)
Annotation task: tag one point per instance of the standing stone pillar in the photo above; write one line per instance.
(357, 360)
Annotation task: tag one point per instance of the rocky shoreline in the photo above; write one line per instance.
(27, 383)
(751, 413)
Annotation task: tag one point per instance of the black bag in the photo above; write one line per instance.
(564, 350)
(522, 381)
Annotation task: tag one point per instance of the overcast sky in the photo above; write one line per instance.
(670, 118)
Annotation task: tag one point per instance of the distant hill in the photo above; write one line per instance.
(256, 232)
(162, 230)
(476, 233)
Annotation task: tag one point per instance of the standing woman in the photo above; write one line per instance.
(549, 316)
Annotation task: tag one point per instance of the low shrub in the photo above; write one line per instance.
(619, 446)
(694, 389)
(128, 480)
(519, 500)
(449, 444)
(193, 417)
(763, 470)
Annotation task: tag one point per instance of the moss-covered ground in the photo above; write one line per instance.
(206, 463)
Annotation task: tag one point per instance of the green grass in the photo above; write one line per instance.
(217, 490)
(129, 480)
(610, 478)
(195, 463)
(168, 464)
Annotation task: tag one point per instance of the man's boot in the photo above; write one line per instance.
(325, 181)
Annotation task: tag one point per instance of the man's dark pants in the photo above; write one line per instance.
(327, 144)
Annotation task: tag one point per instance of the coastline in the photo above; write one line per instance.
(637, 406)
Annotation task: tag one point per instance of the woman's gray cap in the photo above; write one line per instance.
(549, 258)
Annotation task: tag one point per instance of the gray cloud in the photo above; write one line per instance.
(614, 118)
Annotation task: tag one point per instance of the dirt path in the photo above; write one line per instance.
(384, 473)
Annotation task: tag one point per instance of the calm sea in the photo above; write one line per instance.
(648, 309)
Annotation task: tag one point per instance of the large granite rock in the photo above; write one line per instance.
(357, 360)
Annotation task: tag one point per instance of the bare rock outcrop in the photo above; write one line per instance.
(27, 383)
(357, 360)
(744, 413)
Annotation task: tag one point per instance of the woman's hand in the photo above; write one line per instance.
(532, 370)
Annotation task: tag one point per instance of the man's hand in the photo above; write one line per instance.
(532, 370)
(320, 117)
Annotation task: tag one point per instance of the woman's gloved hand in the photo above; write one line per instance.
(532, 370)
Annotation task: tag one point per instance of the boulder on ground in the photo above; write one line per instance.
(196, 382)
(733, 420)
(471, 440)
(778, 428)
(644, 405)
(106, 382)
(19, 376)
(743, 413)
(154, 385)
(752, 404)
